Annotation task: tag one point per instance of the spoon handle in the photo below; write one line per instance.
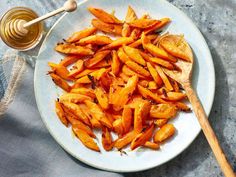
(69, 6)
(208, 131)
(50, 14)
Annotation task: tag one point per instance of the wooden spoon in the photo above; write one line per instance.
(178, 47)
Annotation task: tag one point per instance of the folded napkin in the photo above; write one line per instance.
(12, 67)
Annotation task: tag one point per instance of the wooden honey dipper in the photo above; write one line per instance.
(17, 28)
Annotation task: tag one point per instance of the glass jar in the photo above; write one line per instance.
(34, 32)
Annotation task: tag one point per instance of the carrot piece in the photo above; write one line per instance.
(152, 85)
(102, 64)
(156, 77)
(68, 60)
(84, 91)
(175, 85)
(73, 97)
(144, 83)
(130, 16)
(115, 65)
(143, 23)
(159, 25)
(117, 126)
(76, 110)
(69, 115)
(125, 93)
(116, 116)
(138, 42)
(134, 55)
(148, 94)
(85, 139)
(96, 58)
(60, 82)
(162, 62)
(80, 125)
(174, 96)
(79, 67)
(129, 72)
(104, 16)
(114, 90)
(182, 106)
(152, 145)
(135, 101)
(160, 122)
(110, 116)
(142, 137)
(165, 132)
(125, 140)
(163, 91)
(94, 122)
(95, 39)
(98, 114)
(124, 77)
(73, 49)
(118, 42)
(81, 34)
(97, 74)
(137, 68)
(164, 78)
(107, 28)
(59, 70)
(122, 55)
(140, 114)
(60, 113)
(84, 73)
(126, 119)
(126, 30)
(155, 51)
(163, 111)
(102, 97)
(107, 139)
(106, 80)
(135, 34)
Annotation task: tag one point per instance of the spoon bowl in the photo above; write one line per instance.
(179, 44)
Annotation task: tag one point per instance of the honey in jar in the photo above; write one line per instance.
(26, 42)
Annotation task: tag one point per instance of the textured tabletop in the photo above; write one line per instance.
(217, 21)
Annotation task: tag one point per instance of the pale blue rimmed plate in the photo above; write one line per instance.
(186, 123)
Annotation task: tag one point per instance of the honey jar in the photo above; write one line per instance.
(26, 42)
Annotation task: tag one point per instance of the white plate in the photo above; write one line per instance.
(186, 123)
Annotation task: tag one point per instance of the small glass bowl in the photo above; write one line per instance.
(35, 31)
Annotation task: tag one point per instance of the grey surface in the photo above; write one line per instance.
(27, 149)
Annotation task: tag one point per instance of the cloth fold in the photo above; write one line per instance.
(12, 66)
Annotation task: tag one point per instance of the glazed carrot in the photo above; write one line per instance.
(115, 66)
(73, 49)
(60, 82)
(85, 139)
(107, 139)
(165, 132)
(60, 113)
(107, 28)
(164, 78)
(151, 145)
(104, 16)
(143, 137)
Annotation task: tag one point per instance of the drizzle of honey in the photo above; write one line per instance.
(35, 31)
